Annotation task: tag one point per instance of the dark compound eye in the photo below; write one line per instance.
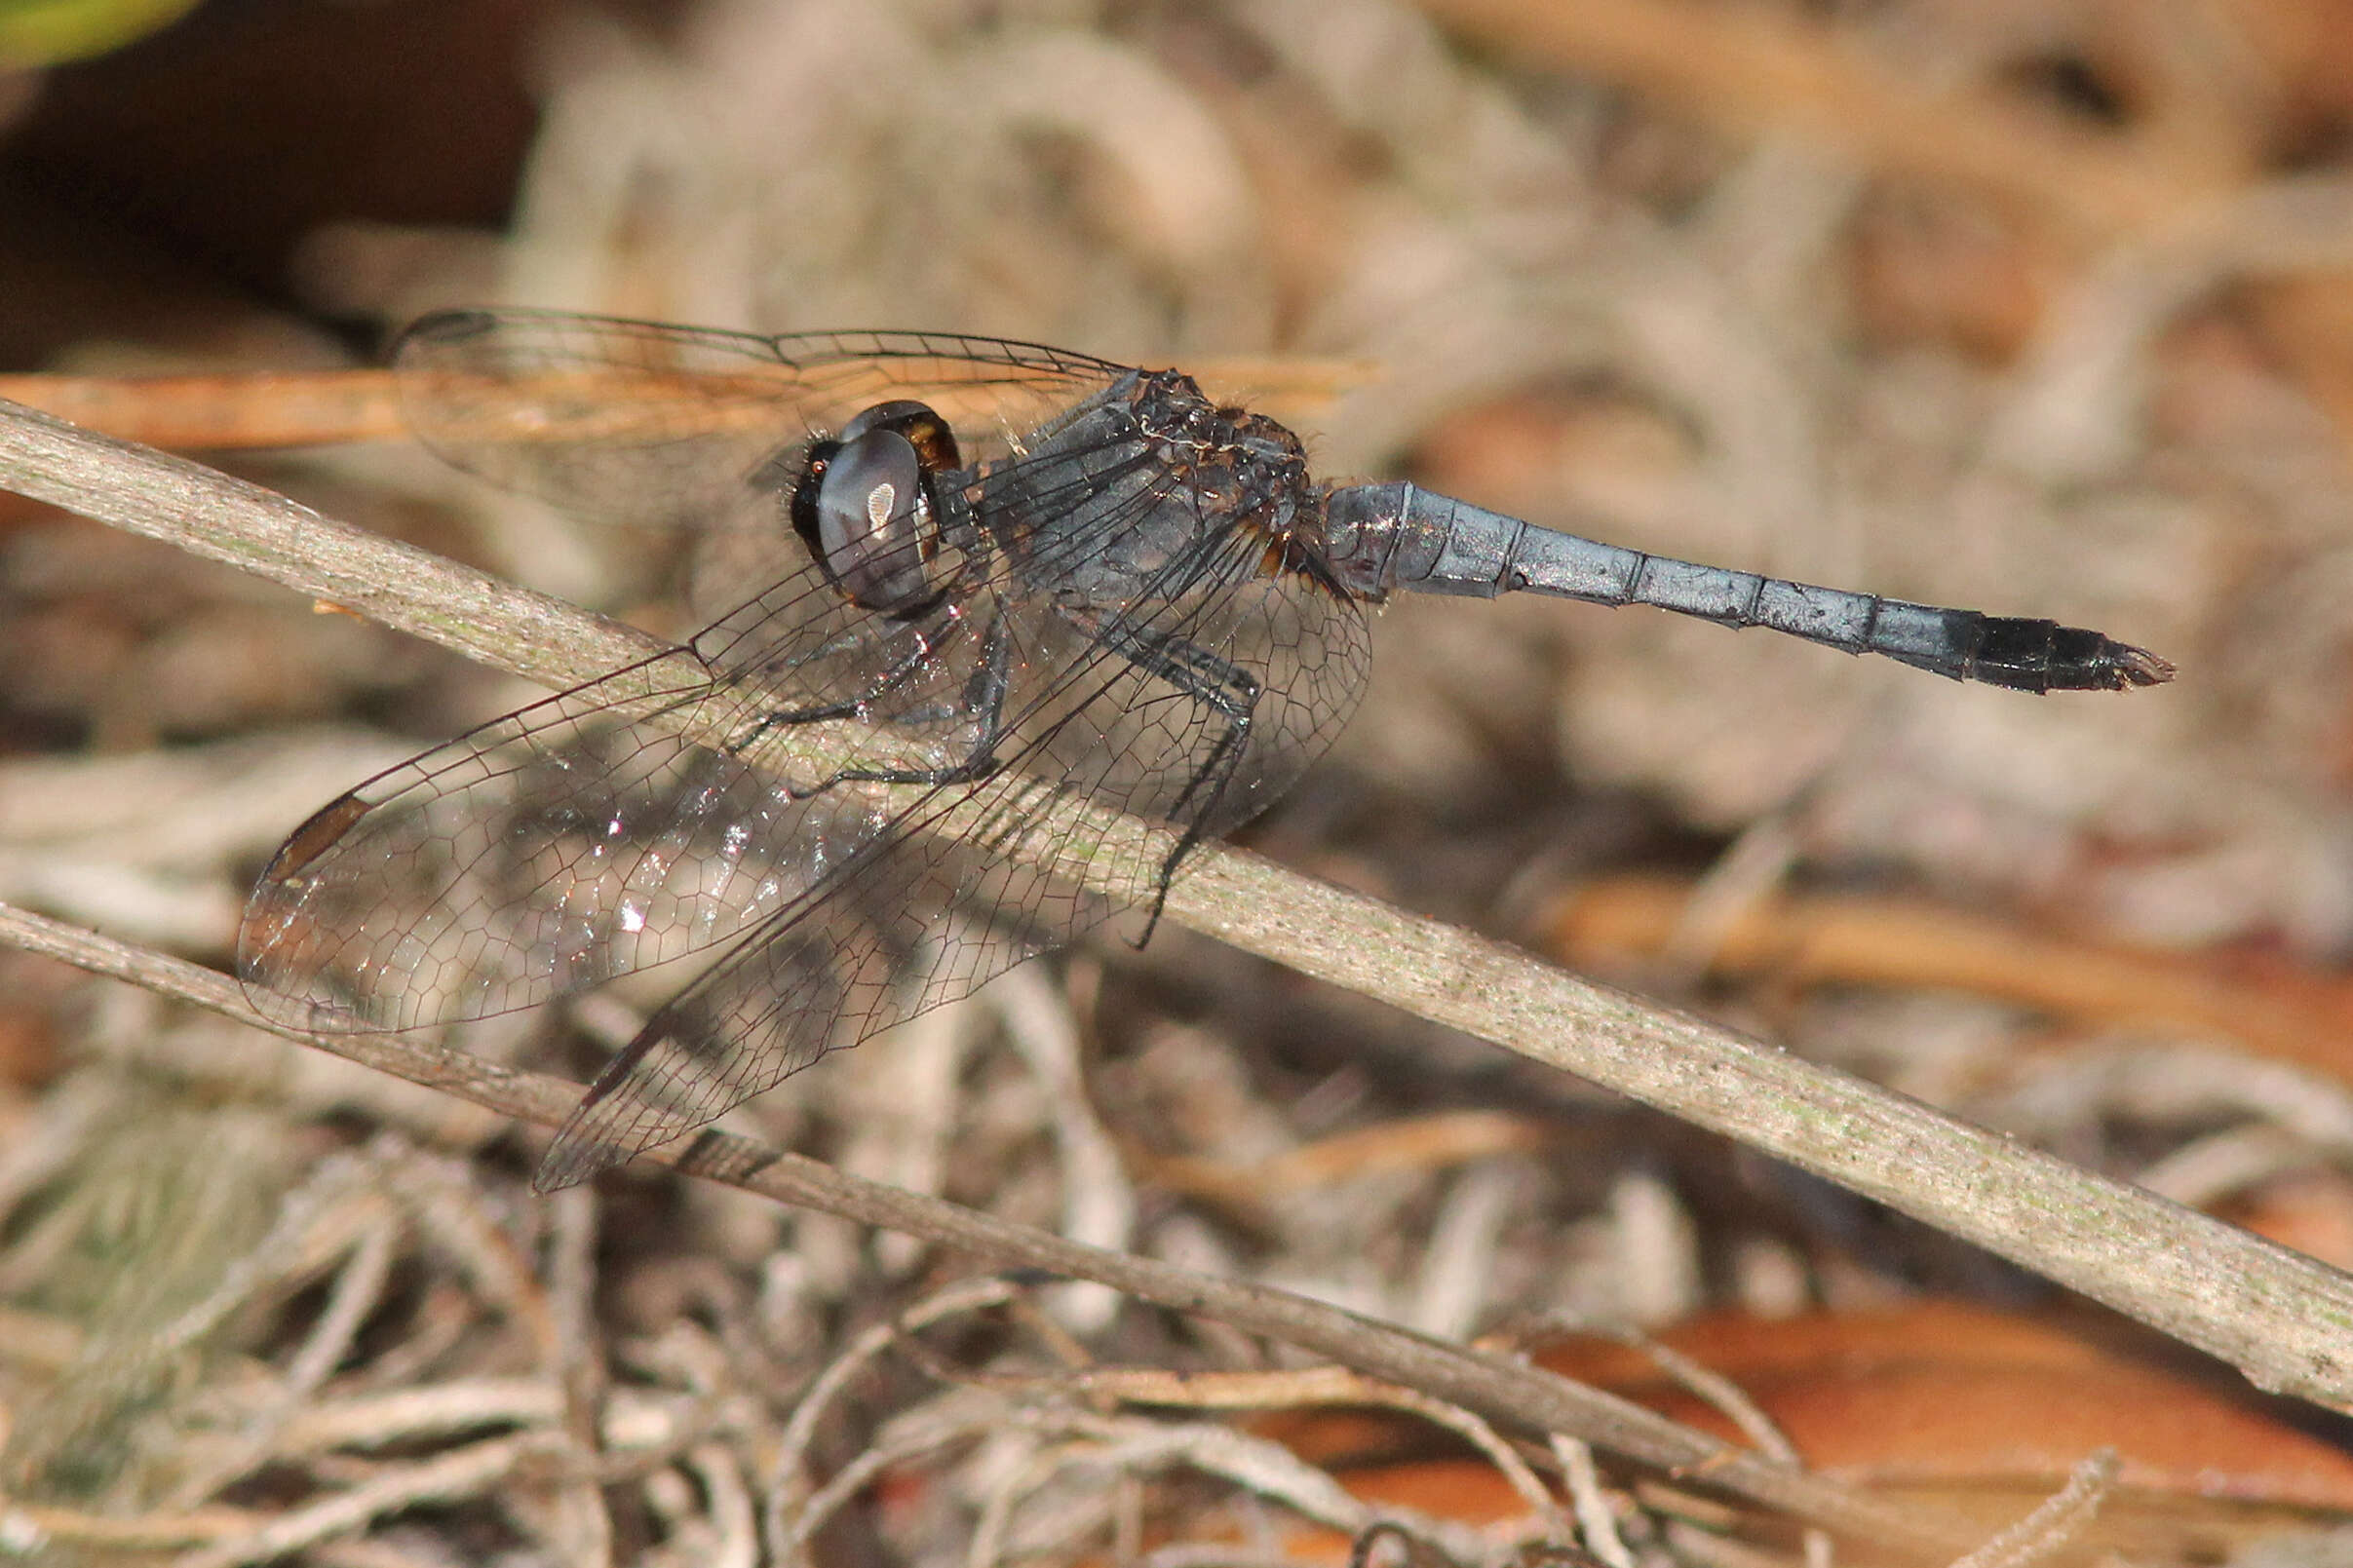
(865, 506)
(873, 521)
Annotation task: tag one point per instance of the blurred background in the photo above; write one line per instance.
(2041, 307)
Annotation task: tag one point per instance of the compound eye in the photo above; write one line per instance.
(874, 523)
(935, 444)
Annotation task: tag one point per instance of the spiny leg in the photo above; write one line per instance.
(1215, 683)
(985, 695)
(846, 707)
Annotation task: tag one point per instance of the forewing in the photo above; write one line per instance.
(639, 422)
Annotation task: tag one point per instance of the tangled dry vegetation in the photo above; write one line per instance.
(2036, 307)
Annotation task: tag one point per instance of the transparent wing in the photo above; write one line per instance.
(642, 423)
(561, 845)
(1194, 702)
(1126, 637)
(582, 837)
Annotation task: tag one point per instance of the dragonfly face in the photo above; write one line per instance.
(867, 507)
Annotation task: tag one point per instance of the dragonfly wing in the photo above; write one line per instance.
(654, 425)
(912, 922)
(1134, 709)
(586, 836)
(573, 841)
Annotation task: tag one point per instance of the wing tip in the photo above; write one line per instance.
(603, 1131)
(576, 1156)
(303, 1015)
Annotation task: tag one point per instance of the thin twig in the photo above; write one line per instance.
(26, 1527)
(2062, 1517)
(419, 1413)
(730, 1501)
(1595, 1522)
(2280, 1318)
(787, 1484)
(1297, 1389)
(461, 1473)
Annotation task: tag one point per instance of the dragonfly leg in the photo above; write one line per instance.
(1217, 685)
(983, 695)
(846, 707)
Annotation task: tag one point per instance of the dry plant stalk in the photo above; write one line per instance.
(2283, 1319)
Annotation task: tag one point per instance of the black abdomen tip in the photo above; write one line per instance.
(2043, 656)
(2089, 660)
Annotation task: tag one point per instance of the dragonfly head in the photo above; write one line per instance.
(865, 506)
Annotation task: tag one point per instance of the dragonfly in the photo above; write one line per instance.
(991, 576)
